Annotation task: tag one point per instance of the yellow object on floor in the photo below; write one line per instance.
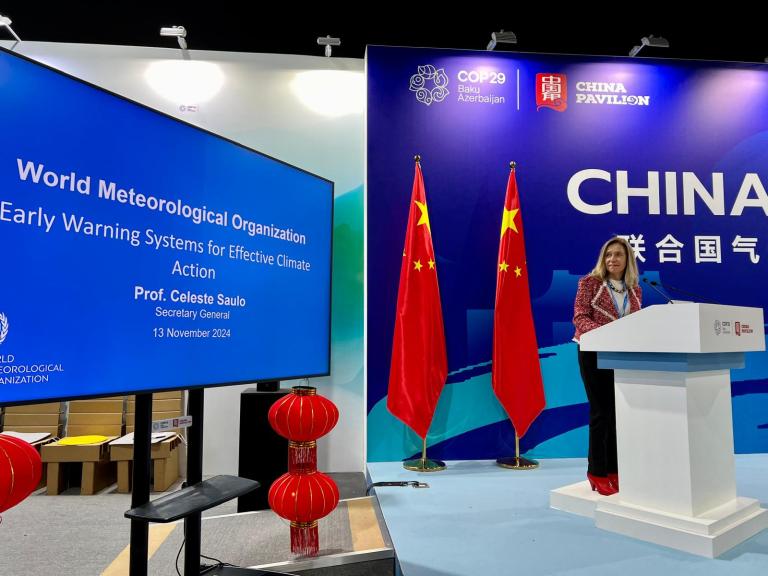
(157, 535)
(82, 440)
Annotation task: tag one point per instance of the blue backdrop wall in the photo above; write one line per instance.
(672, 154)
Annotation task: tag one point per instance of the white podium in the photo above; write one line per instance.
(674, 427)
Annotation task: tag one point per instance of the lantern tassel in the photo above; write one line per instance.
(302, 457)
(304, 538)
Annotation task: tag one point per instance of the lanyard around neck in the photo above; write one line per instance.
(623, 310)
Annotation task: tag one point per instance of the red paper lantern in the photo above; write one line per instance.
(303, 499)
(303, 495)
(20, 470)
(303, 416)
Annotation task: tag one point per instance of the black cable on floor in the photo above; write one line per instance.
(412, 483)
(219, 563)
(176, 565)
(205, 569)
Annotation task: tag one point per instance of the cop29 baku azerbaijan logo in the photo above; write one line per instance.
(430, 84)
(3, 327)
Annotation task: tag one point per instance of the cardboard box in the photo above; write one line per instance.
(159, 449)
(166, 395)
(52, 430)
(100, 406)
(87, 429)
(31, 420)
(165, 471)
(55, 452)
(108, 424)
(165, 464)
(167, 405)
(97, 471)
(47, 408)
(160, 395)
(95, 418)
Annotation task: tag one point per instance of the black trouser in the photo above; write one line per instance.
(602, 415)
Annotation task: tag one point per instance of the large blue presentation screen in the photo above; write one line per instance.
(141, 253)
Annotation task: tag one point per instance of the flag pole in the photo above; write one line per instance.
(513, 301)
(419, 335)
(517, 462)
(424, 464)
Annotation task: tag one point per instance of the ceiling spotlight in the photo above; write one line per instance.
(653, 41)
(179, 32)
(5, 21)
(328, 42)
(501, 37)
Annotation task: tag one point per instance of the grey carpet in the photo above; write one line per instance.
(253, 539)
(79, 535)
(82, 535)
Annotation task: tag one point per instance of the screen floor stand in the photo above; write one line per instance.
(139, 557)
(192, 523)
(187, 503)
(139, 554)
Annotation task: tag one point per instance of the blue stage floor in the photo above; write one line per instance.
(479, 519)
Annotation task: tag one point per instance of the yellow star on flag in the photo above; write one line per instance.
(508, 221)
(518, 272)
(431, 264)
(417, 265)
(424, 219)
(503, 267)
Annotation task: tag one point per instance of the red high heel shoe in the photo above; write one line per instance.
(614, 478)
(601, 484)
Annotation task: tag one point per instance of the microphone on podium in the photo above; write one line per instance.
(653, 284)
(698, 297)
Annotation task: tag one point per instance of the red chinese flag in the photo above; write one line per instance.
(516, 371)
(419, 364)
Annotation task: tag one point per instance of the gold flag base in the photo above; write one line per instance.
(424, 465)
(517, 463)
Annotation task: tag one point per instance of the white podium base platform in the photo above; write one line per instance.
(707, 535)
(576, 499)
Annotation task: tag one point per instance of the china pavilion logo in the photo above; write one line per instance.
(3, 327)
(430, 84)
(551, 91)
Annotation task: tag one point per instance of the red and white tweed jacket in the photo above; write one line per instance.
(594, 306)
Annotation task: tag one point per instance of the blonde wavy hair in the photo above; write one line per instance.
(631, 273)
